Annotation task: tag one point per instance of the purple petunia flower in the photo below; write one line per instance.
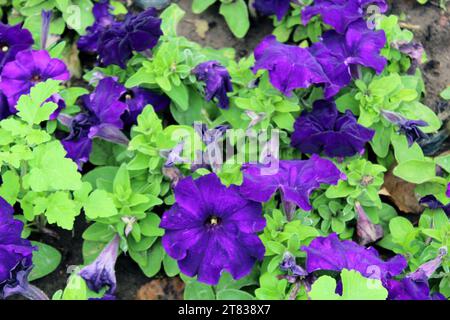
(46, 16)
(212, 228)
(415, 285)
(103, 20)
(4, 107)
(289, 67)
(330, 253)
(101, 273)
(101, 118)
(30, 68)
(326, 130)
(272, 7)
(340, 13)
(137, 33)
(137, 99)
(410, 128)
(447, 193)
(15, 257)
(433, 203)
(340, 55)
(217, 80)
(13, 39)
(296, 179)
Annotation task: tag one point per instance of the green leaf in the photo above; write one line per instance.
(171, 16)
(45, 260)
(233, 294)
(446, 93)
(179, 95)
(198, 291)
(355, 287)
(62, 210)
(32, 108)
(400, 227)
(10, 187)
(416, 171)
(154, 259)
(170, 266)
(236, 16)
(443, 162)
(77, 14)
(100, 205)
(122, 184)
(150, 226)
(76, 288)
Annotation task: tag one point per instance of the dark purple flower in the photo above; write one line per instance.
(447, 193)
(4, 107)
(340, 55)
(212, 228)
(415, 285)
(433, 203)
(410, 128)
(296, 179)
(340, 13)
(103, 19)
(289, 264)
(101, 118)
(367, 231)
(326, 130)
(289, 67)
(137, 33)
(15, 257)
(330, 253)
(13, 39)
(101, 272)
(29, 68)
(217, 80)
(272, 7)
(137, 98)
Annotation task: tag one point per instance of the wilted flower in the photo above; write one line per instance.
(340, 13)
(15, 257)
(289, 67)
(326, 130)
(103, 19)
(137, 98)
(101, 272)
(330, 253)
(137, 33)
(367, 231)
(101, 118)
(415, 285)
(13, 39)
(272, 7)
(412, 49)
(211, 229)
(410, 128)
(29, 68)
(288, 264)
(296, 179)
(433, 203)
(340, 55)
(173, 155)
(217, 80)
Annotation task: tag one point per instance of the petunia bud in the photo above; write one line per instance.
(367, 231)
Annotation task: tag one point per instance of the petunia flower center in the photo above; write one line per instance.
(213, 221)
(366, 180)
(36, 78)
(5, 48)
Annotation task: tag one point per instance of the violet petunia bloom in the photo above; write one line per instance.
(341, 13)
(30, 68)
(103, 20)
(217, 80)
(212, 228)
(137, 33)
(326, 130)
(289, 67)
(15, 257)
(100, 118)
(331, 253)
(4, 107)
(101, 272)
(296, 179)
(13, 39)
(415, 285)
(433, 203)
(272, 7)
(340, 55)
(410, 128)
(137, 99)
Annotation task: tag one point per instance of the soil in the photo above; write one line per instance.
(432, 28)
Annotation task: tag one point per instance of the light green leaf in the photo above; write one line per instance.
(100, 205)
(236, 16)
(45, 260)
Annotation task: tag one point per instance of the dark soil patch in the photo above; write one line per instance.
(433, 30)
